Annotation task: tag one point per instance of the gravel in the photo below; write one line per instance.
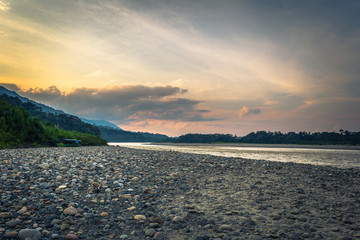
(120, 193)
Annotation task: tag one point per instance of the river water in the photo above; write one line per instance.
(342, 157)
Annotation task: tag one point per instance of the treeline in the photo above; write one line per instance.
(205, 138)
(326, 138)
(114, 135)
(19, 129)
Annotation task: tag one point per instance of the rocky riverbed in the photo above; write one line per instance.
(120, 193)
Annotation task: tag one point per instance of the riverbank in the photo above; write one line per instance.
(258, 145)
(121, 193)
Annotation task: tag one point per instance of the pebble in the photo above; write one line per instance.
(55, 236)
(45, 233)
(13, 223)
(177, 219)
(29, 234)
(104, 214)
(4, 215)
(44, 165)
(11, 235)
(70, 211)
(154, 225)
(347, 220)
(225, 227)
(248, 223)
(158, 235)
(71, 236)
(140, 217)
(150, 232)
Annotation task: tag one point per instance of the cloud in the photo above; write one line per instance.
(125, 103)
(51, 93)
(245, 111)
(3, 34)
(97, 73)
(4, 5)
(10, 86)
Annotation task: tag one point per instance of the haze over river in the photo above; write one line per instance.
(337, 156)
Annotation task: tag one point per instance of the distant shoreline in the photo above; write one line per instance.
(344, 147)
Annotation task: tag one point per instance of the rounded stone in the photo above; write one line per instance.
(140, 217)
(150, 232)
(225, 227)
(158, 235)
(177, 219)
(70, 211)
(29, 234)
(13, 222)
(104, 214)
(4, 215)
(71, 236)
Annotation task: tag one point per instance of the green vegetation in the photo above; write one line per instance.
(86, 139)
(18, 128)
(317, 138)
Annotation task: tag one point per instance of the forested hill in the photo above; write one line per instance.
(325, 138)
(62, 120)
(71, 122)
(19, 128)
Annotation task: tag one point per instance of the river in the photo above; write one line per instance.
(336, 156)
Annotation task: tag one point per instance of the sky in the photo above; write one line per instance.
(175, 67)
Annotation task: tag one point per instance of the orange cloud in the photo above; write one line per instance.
(4, 5)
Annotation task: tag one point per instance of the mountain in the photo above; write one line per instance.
(108, 131)
(101, 123)
(44, 108)
(19, 129)
(59, 119)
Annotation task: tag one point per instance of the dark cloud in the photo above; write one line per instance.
(122, 103)
(169, 109)
(10, 86)
(255, 111)
(245, 111)
(40, 94)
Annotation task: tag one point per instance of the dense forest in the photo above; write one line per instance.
(19, 129)
(326, 138)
